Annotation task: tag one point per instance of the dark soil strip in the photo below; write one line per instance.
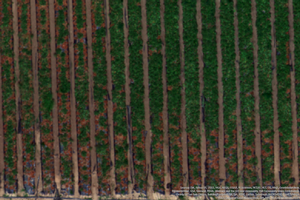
(54, 95)
(110, 103)
(295, 169)
(201, 81)
(94, 182)
(222, 172)
(238, 100)
(131, 178)
(166, 140)
(18, 97)
(73, 101)
(148, 140)
(185, 172)
(256, 96)
(274, 97)
(38, 164)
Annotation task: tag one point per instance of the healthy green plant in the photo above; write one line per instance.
(156, 92)
(284, 83)
(192, 96)
(229, 100)
(118, 93)
(174, 97)
(265, 86)
(246, 85)
(137, 90)
(210, 92)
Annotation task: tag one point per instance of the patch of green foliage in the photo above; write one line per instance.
(156, 90)
(173, 73)
(137, 88)
(229, 87)
(246, 80)
(210, 91)
(192, 95)
(284, 83)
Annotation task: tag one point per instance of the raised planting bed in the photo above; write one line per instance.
(265, 91)
(63, 95)
(26, 92)
(190, 31)
(284, 92)
(45, 95)
(174, 97)
(118, 93)
(9, 108)
(100, 96)
(137, 94)
(155, 92)
(229, 87)
(81, 96)
(210, 92)
(246, 91)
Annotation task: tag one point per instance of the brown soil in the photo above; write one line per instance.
(94, 182)
(131, 178)
(110, 103)
(148, 140)
(18, 97)
(274, 94)
(73, 101)
(256, 96)
(295, 169)
(222, 173)
(38, 165)
(185, 171)
(201, 81)
(54, 94)
(166, 145)
(238, 101)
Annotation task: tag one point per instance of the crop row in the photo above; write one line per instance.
(265, 90)
(137, 93)
(81, 96)
(9, 109)
(284, 96)
(156, 91)
(62, 60)
(246, 90)
(210, 92)
(45, 95)
(100, 95)
(229, 99)
(192, 89)
(174, 97)
(26, 92)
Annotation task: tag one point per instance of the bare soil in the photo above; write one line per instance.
(222, 173)
(57, 173)
(73, 101)
(38, 165)
(295, 169)
(148, 140)
(182, 114)
(238, 101)
(131, 178)
(256, 97)
(274, 94)
(110, 103)
(201, 81)
(94, 182)
(166, 140)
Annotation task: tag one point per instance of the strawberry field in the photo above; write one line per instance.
(56, 87)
